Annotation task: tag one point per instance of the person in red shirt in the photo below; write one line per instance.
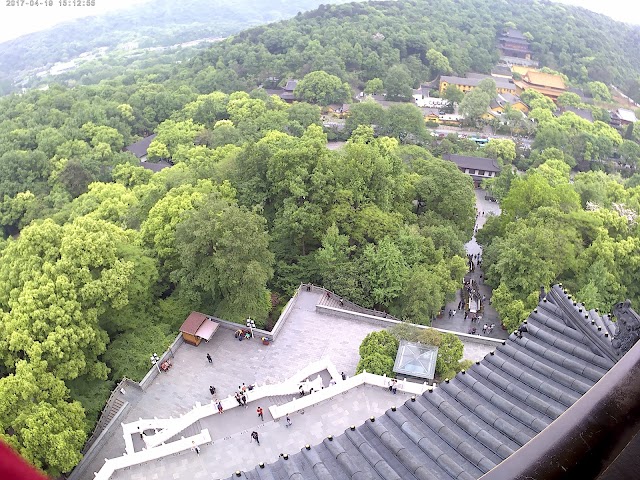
(260, 413)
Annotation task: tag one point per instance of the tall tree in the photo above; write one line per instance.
(322, 88)
(398, 83)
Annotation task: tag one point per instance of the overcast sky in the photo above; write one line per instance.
(16, 21)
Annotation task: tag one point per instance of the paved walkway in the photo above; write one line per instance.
(233, 450)
(306, 337)
(457, 323)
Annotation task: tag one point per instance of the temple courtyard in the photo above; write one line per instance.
(306, 337)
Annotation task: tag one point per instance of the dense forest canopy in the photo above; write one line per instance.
(361, 41)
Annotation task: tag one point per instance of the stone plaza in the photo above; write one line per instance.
(307, 336)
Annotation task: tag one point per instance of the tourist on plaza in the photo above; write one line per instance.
(260, 413)
(454, 312)
(243, 397)
(212, 389)
(219, 405)
(450, 313)
(244, 388)
(289, 423)
(491, 327)
(254, 436)
(344, 377)
(209, 358)
(238, 399)
(466, 314)
(394, 386)
(484, 328)
(195, 448)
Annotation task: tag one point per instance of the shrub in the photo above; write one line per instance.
(377, 363)
(379, 342)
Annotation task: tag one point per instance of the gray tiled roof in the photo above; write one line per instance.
(139, 149)
(468, 425)
(478, 163)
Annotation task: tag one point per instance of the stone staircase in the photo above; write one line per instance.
(193, 429)
(114, 408)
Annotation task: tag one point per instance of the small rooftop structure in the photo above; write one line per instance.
(198, 327)
(416, 359)
(139, 149)
(625, 116)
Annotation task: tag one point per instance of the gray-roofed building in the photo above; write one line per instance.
(478, 168)
(155, 166)
(622, 117)
(471, 424)
(139, 149)
(501, 71)
(503, 85)
(581, 112)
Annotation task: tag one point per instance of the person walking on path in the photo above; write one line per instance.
(289, 423)
(344, 377)
(219, 405)
(260, 413)
(212, 389)
(209, 358)
(195, 448)
(238, 399)
(254, 436)
(243, 397)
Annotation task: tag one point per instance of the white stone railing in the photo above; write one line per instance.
(279, 411)
(128, 460)
(167, 428)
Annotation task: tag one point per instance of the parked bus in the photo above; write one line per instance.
(480, 141)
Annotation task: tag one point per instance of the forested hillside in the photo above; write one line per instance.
(361, 41)
(153, 23)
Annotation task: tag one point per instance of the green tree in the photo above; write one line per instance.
(453, 94)
(488, 86)
(374, 86)
(225, 261)
(450, 352)
(376, 363)
(367, 113)
(438, 63)
(404, 122)
(387, 271)
(599, 91)
(379, 342)
(322, 88)
(38, 419)
(475, 104)
(398, 83)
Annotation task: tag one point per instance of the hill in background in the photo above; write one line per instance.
(151, 24)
